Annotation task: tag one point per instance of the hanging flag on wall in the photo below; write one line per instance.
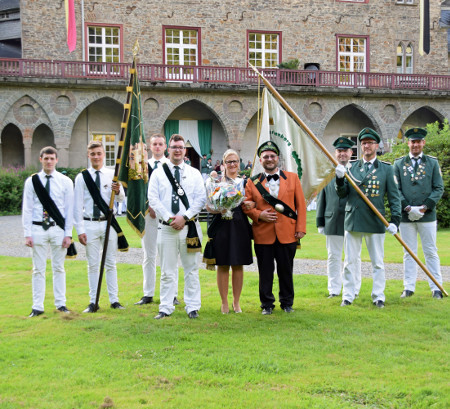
(424, 40)
(298, 152)
(71, 28)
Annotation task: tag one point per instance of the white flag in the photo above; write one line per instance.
(298, 152)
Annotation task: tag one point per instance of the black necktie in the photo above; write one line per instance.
(45, 216)
(96, 214)
(274, 177)
(155, 166)
(175, 197)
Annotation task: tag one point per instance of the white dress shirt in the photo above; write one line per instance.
(274, 185)
(152, 161)
(61, 191)
(160, 191)
(84, 204)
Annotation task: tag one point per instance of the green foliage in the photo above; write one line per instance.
(12, 181)
(245, 172)
(289, 65)
(437, 145)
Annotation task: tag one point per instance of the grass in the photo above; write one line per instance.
(321, 356)
(313, 245)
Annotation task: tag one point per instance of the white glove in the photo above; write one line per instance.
(392, 228)
(415, 213)
(340, 171)
(321, 230)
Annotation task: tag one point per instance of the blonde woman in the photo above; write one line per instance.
(231, 240)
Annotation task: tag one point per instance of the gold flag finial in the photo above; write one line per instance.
(136, 48)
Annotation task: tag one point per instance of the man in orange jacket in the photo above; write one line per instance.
(279, 221)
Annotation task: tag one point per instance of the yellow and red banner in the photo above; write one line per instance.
(71, 28)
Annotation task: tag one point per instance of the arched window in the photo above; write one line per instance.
(404, 58)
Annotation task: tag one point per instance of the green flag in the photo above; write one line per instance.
(133, 171)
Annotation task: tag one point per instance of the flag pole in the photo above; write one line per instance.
(297, 119)
(109, 216)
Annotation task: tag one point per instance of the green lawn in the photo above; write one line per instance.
(313, 245)
(321, 356)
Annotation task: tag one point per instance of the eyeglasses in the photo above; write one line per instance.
(368, 143)
(231, 162)
(268, 157)
(177, 148)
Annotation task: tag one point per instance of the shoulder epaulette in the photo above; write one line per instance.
(400, 158)
(387, 163)
(433, 157)
(253, 178)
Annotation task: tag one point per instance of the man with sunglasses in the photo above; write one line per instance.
(177, 194)
(279, 221)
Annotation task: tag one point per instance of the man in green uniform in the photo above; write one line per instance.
(421, 186)
(376, 179)
(330, 221)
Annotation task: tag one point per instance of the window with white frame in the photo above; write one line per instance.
(181, 48)
(109, 142)
(352, 54)
(264, 49)
(103, 47)
(355, 148)
(404, 58)
(405, 1)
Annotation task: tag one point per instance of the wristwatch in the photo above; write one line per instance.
(185, 218)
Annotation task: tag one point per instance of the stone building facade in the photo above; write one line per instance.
(68, 112)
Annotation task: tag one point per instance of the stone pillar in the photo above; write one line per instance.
(63, 145)
(27, 141)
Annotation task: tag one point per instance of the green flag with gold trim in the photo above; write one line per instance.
(133, 173)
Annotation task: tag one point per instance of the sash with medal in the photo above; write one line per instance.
(49, 205)
(192, 240)
(279, 205)
(122, 243)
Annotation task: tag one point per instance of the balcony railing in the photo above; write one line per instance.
(225, 75)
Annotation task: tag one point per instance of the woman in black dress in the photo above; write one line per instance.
(232, 241)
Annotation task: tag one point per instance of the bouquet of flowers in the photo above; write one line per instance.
(224, 196)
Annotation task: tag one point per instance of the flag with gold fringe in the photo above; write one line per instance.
(298, 152)
(133, 171)
(424, 32)
(71, 28)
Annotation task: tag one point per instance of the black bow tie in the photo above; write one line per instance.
(274, 177)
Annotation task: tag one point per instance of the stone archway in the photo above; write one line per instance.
(43, 136)
(12, 147)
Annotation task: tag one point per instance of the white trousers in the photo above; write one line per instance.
(427, 232)
(335, 245)
(352, 246)
(95, 232)
(171, 244)
(42, 240)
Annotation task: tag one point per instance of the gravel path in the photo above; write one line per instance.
(12, 244)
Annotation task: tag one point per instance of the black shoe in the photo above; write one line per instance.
(267, 311)
(379, 304)
(161, 315)
(288, 309)
(35, 313)
(63, 309)
(144, 300)
(175, 301)
(90, 308)
(333, 295)
(344, 303)
(193, 314)
(406, 293)
(437, 294)
(117, 306)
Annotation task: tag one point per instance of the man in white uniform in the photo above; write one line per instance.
(149, 241)
(167, 202)
(41, 231)
(90, 223)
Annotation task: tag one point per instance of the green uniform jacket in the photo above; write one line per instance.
(375, 184)
(331, 211)
(204, 168)
(424, 187)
